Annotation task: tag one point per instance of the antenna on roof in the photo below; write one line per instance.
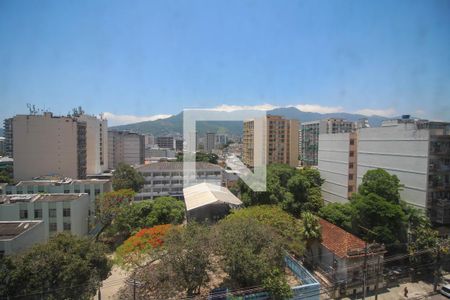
(32, 108)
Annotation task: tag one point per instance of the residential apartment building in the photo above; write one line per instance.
(280, 143)
(210, 142)
(2, 146)
(416, 151)
(167, 142)
(179, 145)
(17, 236)
(157, 154)
(92, 187)
(125, 147)
(337, 165)
(58, 212)
(310, 137)
(46, 145)
(96, 144)
(166, 178)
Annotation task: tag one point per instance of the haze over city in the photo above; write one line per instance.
(152, 59)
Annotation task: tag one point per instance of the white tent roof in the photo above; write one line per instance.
(206, 193)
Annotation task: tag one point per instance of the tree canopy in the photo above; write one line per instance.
(67, 267)
(126, 177)
(109, 204)
(292, 189)
(381, 183)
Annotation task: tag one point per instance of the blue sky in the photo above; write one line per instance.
(136, 59)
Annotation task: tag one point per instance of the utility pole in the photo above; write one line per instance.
(378, 278)
(365, 271)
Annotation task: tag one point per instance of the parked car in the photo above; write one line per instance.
(445, 290)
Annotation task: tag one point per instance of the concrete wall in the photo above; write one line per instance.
(96, 142)
(401, 151)
(44, 145)
(333, 166)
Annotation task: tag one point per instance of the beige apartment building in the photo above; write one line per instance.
(281, 138)
(67, 146)
(46, 145)
(125, 147)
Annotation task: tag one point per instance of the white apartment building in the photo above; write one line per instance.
(58, 212)
(416, 151)
(96, 144)
(337, 165)
(125, 147)
(210, 142)
(166, 178)
(17, 236)
(92, 187)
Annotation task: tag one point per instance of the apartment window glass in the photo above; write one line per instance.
(66, 191)
(350, 176)
(23, 214)
(97, 191)
(352, 142)
(350, 188)
(87, 190)
(41, 189)
(52, 212)
(350, 165)
(30, 190)
(352, 153)
(66, 212)
(52, 226)
(67, 226)
(38, 213)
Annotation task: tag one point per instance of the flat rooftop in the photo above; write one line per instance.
(11, 229)
(67, 181)
(176, 166)
(24, 198)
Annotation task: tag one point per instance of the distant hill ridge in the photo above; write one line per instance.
(174, 125)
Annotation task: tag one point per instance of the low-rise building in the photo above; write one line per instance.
(58, 212)
(166, 178)
(17, 236)
(92, 187)
(340, 257)
(207, 202)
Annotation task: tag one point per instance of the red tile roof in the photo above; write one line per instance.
(339, 241)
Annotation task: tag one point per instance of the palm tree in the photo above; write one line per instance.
(310, 230)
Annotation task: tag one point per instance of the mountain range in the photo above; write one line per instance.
(174, 124)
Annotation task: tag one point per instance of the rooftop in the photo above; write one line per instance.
(12, 229)
(17, 198)
(176, 166)
(339, 241)
(47, 182)
(206, 193)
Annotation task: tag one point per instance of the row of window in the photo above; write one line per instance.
(76, 191)
(23, 213)
(53, 226)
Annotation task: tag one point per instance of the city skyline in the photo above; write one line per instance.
(153, 59)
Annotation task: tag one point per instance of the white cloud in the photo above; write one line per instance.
(388, 112)
(114, 119)
(229, 108)
(319, 108)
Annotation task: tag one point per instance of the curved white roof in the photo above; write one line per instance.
(206, 193)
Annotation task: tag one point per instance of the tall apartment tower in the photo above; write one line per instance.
(46, 145)
(96, 144)
(310, 136)
(281, 137)
(210, 141)
(416, 151)
(125, 147)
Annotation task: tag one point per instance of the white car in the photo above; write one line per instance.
(445, 290)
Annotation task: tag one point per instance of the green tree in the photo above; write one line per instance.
(147, 213)
(67, 267)
(311, 228)
(252, 254)
(109, 204)
(340, 214)
(284, 224)
(126, 177)
(381, 183)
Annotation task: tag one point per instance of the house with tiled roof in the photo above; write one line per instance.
(339, 257)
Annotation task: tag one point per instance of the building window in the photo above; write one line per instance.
(352, 142)
(30, 190)
(350, 165)
(352, 153)
(66, 212)
(24, 214)
(88, 191)
(40, 189)
(67, 226)
(97, 191)
(66, 191)
(52, 212)
(38, 213)
(350, 188)
(350, 176)
(52, 226)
